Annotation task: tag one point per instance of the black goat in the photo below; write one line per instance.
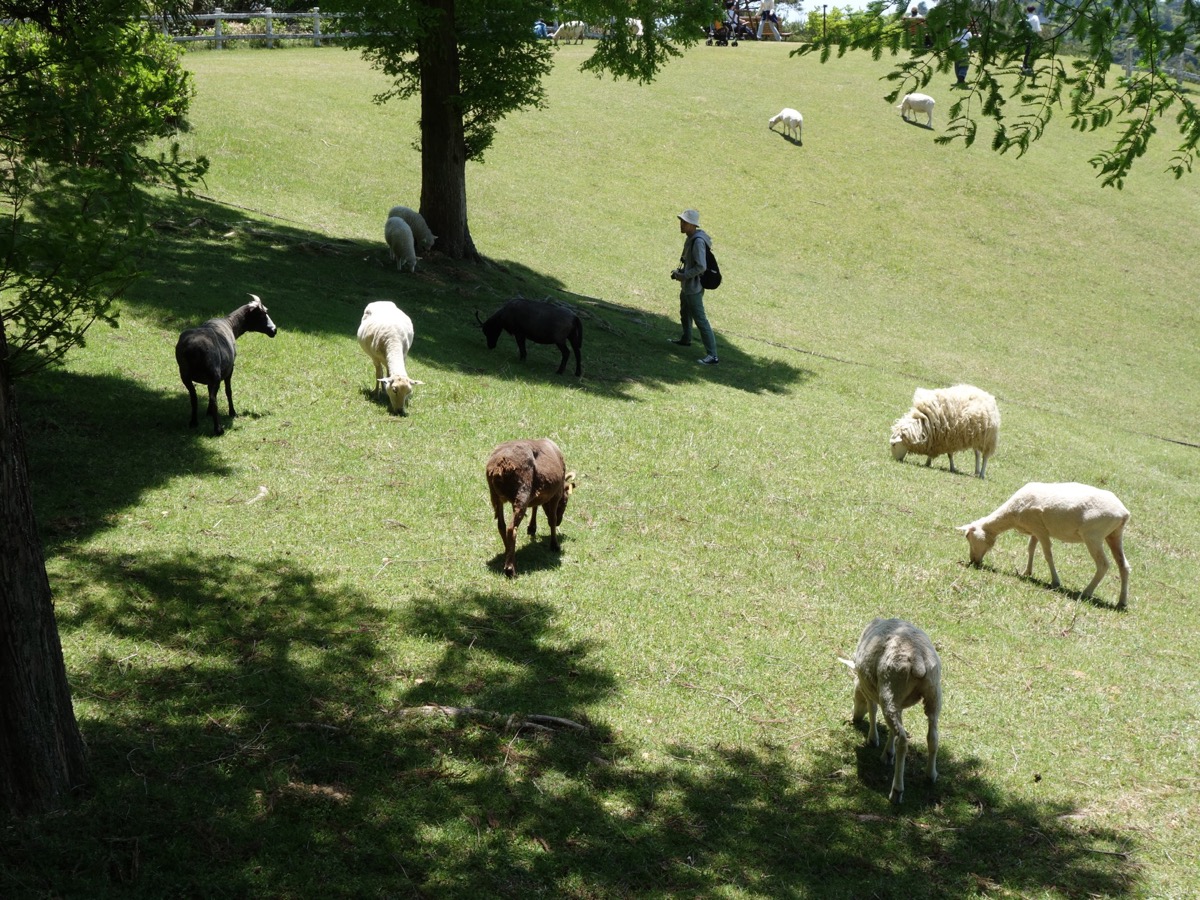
(539, 321)
(205, 354)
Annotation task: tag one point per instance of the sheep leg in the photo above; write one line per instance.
(577, 345)
(931, 745)
(1115, 544)
(520, 344)
(229, 396)
(212, 408)
(950, 456)
(191, 388)
(510, 540)
(379, 375)
(1033, 541)
(1045, 539)
(533, 521)
(897, 744)
(566, 354)
(1097, 550)
(978, 468)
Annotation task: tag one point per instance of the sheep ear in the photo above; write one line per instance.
(965, 529)
(385, 380)
(256, 299)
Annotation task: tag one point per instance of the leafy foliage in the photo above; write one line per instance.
(1071, 63)
(81, 91)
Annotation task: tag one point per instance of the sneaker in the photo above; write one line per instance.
(709, 360)
(680, 341)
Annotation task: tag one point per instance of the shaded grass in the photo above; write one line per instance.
(248, 620)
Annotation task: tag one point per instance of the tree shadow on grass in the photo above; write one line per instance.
(96, 443)
(257, 737)
(209, 257)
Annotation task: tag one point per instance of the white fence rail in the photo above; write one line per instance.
(318, 25)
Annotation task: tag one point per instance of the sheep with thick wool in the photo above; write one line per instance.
(895, 666)
(1066, 511)
(915, 103)
(792, 122)
(422, 236)
(949, 420)
(401, 245)
(386, 335)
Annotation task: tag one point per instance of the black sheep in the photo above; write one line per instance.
(206, 353)
(539, 321)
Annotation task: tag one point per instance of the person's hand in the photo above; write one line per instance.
(674, 274)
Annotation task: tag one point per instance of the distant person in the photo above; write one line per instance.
(767, 16)
(1035, 32)
(692, 263)
(960, 48)
(541, 29)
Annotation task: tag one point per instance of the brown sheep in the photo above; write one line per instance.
(528, 474)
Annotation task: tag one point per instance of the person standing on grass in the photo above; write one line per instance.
(1034, 27)
(767, 16)
(692, 263)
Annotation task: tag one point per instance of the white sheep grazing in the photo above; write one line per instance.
(791, 119)
(401, 246)
(386, 334)
(423, 237)
(1066, 511)
(916, 103)
(896, 665)
(948, 420)
(568, 31)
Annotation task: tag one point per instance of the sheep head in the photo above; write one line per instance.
(908, 434)
(399, 389)
(978, 540)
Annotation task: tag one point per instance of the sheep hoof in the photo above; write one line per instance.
(510, 571)
(896, 797)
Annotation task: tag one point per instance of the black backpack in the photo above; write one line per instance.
(711, 278)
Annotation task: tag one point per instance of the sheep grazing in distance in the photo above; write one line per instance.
(386, 335)
(423, 237)
(528, 474)
(539, 321)
(401, 246)
(1067, 511)
(949, 420)
(792, 122)
(206, 354)
(895, 666)
(916, 103)
(568, 31)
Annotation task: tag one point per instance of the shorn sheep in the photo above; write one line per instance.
(949, 420)
(1067, 511)
(386, 335)
(792, 122)
(569, 31)
(916, 103)
(423, 237)
(206, 353)
(528, 474)
(401, 244)
(895, 666)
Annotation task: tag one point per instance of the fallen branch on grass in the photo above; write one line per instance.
(514, 721)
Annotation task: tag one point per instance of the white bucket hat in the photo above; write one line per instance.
(691, 217)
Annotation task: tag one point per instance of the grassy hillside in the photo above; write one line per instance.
(253, 624)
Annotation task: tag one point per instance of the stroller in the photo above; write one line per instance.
(726, 32)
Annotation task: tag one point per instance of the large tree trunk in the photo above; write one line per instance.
(42, 756)
(443, 148)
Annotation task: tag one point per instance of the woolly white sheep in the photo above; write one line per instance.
(895, 666)
(791, 119)
(568, 31)
(386, 334)
(401, 246)
(916, 103)
(1068, 511)
(948, 420)
(423, 237)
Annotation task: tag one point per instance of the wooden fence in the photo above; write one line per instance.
(297, 26)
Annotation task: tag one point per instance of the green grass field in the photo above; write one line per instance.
(253, 623)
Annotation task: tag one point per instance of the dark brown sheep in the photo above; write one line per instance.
(528, 474)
